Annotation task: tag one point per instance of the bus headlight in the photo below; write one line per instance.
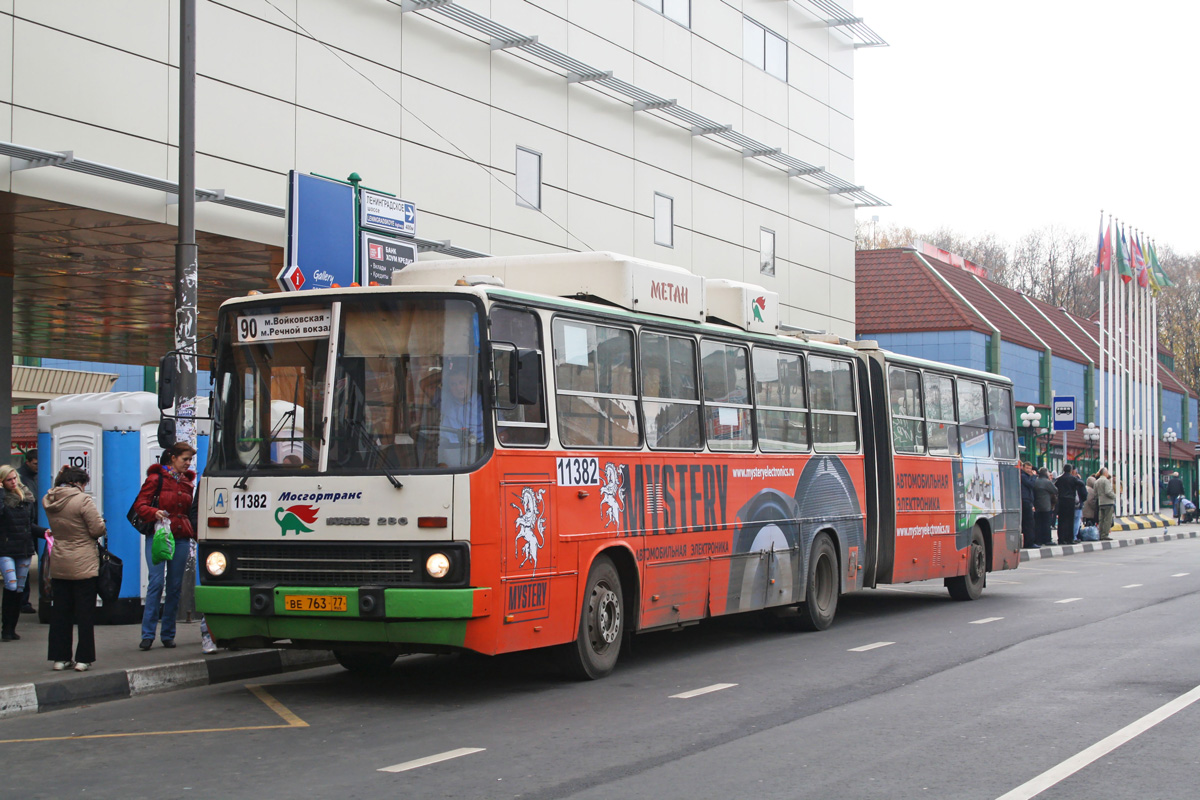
(437, 565)
(215, 563)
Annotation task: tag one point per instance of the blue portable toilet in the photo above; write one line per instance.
(114, 436)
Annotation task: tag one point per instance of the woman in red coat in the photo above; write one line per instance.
(167, 495)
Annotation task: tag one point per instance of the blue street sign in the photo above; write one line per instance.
(321, 234)
(382, 212)
(1063, 410)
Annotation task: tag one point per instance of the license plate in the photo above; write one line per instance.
(314, 602)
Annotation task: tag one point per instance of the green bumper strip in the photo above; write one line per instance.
(399, 604)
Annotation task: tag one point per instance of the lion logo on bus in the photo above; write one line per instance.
(612, 495)
(531, 526)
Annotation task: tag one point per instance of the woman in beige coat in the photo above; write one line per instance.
(76, 524)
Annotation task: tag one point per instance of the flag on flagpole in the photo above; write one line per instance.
(1103, 249)
(1160, 274)
(1151, 278)
(1123, 258)
(1139, 262)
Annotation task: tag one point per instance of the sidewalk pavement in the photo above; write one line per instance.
(28, 685)
(1119, 539)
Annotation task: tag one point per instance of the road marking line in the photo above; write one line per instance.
(1067, 768)
(424, 762)
(986, 620)
(716, 687)
(1069, 600)
(1007, 583)
(1180, 574)
(867, 647)
(279, 708)
(1131, 586)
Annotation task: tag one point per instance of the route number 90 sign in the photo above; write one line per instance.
(311, 324)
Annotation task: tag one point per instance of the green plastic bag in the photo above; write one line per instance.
(163, 547)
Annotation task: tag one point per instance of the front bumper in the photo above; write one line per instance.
(436, 617)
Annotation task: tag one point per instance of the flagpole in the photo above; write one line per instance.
(1100, 378)
(1144, 400)
(1152, 445)
(1110, 376)
(1134, 396)
(1151, 428)
(1158, 482)
(1136, 389)
(1151, 479)
(1122, 397)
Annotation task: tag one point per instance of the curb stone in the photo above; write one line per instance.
(1052, 551)
(90, 688)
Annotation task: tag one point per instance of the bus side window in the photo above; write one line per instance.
(1000, 421)
(908, 423)
(940, 417)
(972, 419)
(831, 396)
(781, 407)
(525, 425)
(593, 374)
(726, 396)
(670, 402)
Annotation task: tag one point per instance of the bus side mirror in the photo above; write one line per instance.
(168, 379)
(166, 433)
(528, 381)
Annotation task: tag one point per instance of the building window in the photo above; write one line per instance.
(664, 220)
(529, 178)
(678, 10)
(764, 49)
(766, 252)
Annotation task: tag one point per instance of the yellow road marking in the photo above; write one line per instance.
(279, 708)
(257, 690)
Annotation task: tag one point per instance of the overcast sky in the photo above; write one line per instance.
(1006, 117)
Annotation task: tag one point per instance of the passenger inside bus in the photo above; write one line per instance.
(461, 410)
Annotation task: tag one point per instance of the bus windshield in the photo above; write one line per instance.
(405, 394)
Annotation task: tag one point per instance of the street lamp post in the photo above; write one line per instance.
(1031, 421)
(1170, 437)
(1091, 435)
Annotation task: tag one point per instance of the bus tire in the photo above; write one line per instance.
(594, 652)
(970, 586)
(365, 662)
(821, 590)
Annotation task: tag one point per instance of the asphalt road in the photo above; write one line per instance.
(1059, 676)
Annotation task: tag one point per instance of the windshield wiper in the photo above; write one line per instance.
(376, 450)
(240, 483)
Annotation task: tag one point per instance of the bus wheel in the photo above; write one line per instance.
(970, 586)
(601, 625)
(821, 592)
(370, 662)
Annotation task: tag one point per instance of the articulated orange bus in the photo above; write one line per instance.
(561, 451)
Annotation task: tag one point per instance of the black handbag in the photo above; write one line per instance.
(108, 584)
(139, 524)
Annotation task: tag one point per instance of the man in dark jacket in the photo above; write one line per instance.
(1045, 498)
(1068, 495)
(1175, 491)
(1028, 477)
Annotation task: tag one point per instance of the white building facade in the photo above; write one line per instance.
(501, 144)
